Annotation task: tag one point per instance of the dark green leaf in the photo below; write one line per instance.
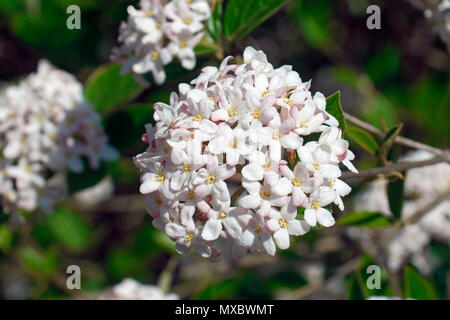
(6, 237)
(69, 229)
(106, 88)
(242, 16)
(364, 219)
(417, 287)
(88, 178)
(205, 48)
(334, 108)
(214, 23)
(363, 138)
(39, 262)
(396, 197)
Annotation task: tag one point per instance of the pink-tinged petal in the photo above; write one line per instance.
(326, 197)
(224, 172)
(310, 217)
(217, 145)
(233, 156)
(301, 171)
(182, 249)
(203, 206)
(324, 217)
(187, 214)
(149, 186)
(208, 127)
(287, 172)
(342, 188)
(220, 191)
(282, 238)
(219, 115)
(329, 171)
(275, 150)
(304, 154)
(175, 231)
(232, 227)
(277, 201)
(268, 244)
(291, 141)
(247, 239)
(298, 196)
(253, 172)
(202, 191)
(349, 166)
(320, 101)
(211, 230)
(272, 225)
(297, 228)
(282, 188)
(177, 180)
(322, 154)
(249, 202)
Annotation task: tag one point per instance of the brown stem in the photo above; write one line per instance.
(400, 140)
(399, 166)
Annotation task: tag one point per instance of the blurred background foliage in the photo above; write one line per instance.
(399, 73)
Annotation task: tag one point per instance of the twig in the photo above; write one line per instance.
(399, 166)
(425, 209)
(304, 291)
(400, 140)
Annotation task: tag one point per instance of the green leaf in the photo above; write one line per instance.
(106, 88)
(69, 229)
(205, 48)
(388, 142)
(88, 178)
(363, 138)
(364, 219)
(38, 261)
(396, 197)
(242, 16)
(417, 287)
(6, 238)
(214, 23)
(334, 108)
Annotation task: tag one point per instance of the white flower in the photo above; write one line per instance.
(217, 169)
(130, 289)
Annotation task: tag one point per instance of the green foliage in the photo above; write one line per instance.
(334, 108)
(88, 178)
(107, 89)
(363, 138)
(122, 264)
(396, 197)
(418, 287)
(38, 261)
(242, 16)
(6, 238)
(384, 64)
(214, 23)
(364, 219)
(69, 229)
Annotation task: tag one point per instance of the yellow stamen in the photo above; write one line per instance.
(149, 13)
(258, 230)
(232, 111)
(288, 101)
(276, 135)
(198, 117)
(265, 194)
(160, 177)
(187, 20)
(155, 55)
(233, 143)
(315, 205)
(297, 182)
(222, 215)
(316, 165)
(159, 25)
(256, 113)
(282, 223)
(187, 168)
(189, 237)
(303, 126)
(267, 91)
(183, 44)
(267, 166)
(211, 179)
(190, 195)
(330, 182)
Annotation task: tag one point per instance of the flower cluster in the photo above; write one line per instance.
(438, 11)
(45, 127)
(421, 186)
(216, 165)
(157, 32)
(130, 289)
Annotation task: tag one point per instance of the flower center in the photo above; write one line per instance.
(149, 13)
(160, 177)
(282, 223)
(330, 182)
(265, 194)
(189, 237)
(155, 55)
(303, 125)
(187, 20)
(315, 205)
(267, 91)
(198, 117)
(211, 179)
(171, 218)
(276, 135)
(258, 230)
(233, 143)
(222, 214)
(256, 113)
(267, 166)
(297, 182)
(232, 111)
(183, 44)
(288, 101)
(316, 165)
(190, 195)
(187, 168)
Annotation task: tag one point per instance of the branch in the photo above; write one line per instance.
(400, 140)
(425, 209)
(396, 167)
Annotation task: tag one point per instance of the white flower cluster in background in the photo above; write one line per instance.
(438, 11)
(45, 128)
(421, 187)
(158, 31)
(130, 289)
(216, 165)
